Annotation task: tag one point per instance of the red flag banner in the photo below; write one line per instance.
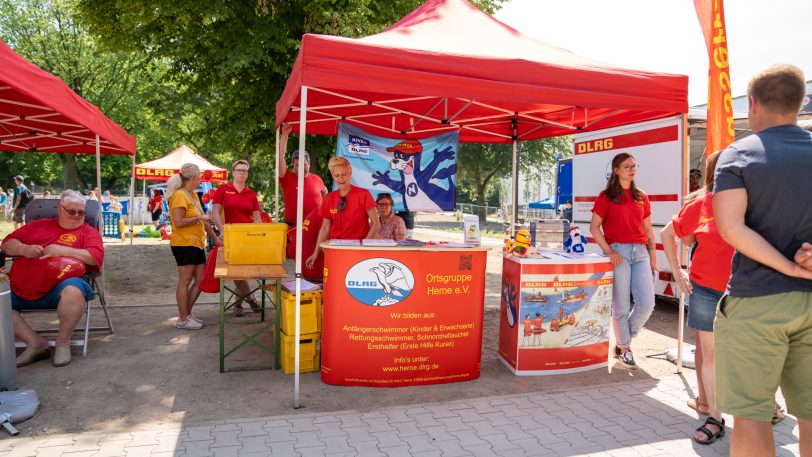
(720, 133)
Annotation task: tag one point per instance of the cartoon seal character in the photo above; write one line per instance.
(415, 185)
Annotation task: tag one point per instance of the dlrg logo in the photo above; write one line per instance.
(379, 281)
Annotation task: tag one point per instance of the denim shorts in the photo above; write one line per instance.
(702, 307)
(51, 299)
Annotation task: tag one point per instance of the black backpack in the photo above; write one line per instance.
(25, 197)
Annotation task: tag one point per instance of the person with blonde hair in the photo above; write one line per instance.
(763, 329)
(349, 212)
(189, 227)
(239, 205)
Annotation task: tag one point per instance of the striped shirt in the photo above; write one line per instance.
(392, 228)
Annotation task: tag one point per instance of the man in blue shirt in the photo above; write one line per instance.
(763, 327)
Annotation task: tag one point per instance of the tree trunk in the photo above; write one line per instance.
(70, 171)
(480, 201)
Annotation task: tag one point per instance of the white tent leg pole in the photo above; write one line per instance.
(514, 180)
(299, 218)
(131, 204)
(276, 178)
(98, 167)
(98, 184)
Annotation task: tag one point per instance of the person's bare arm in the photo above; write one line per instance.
(16, 248)
(56, 250)
(374, 225)
(324, 231)
(255, 217)
(283, 148)
(729, 207)
(215, 216)
(651, 243)
(180, 219)
(600, 240)
(669, 238)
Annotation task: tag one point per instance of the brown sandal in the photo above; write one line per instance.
(698, 406)
(255, 307)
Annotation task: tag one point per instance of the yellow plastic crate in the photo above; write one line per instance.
(255, 244)
(309, 352)
(310, 315)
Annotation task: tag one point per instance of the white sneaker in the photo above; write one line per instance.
(192, 317)
(188, 324)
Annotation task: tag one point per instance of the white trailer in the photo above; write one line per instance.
(661, 150)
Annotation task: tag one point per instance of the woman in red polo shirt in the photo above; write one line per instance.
(349, 213)
(237, 204)
(706, 283)
(621, 226)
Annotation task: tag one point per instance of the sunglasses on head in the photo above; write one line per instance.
(74, 212)
(341, 204)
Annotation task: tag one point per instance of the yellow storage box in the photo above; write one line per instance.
(309, 352)
(255, 244)
(311, 310)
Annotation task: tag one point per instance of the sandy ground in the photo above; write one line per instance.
(149, 374)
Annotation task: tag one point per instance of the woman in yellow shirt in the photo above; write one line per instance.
(189, 226)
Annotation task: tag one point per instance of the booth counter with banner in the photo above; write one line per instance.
(401, 316)
(555, 314)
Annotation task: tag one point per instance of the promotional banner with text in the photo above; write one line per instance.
(402, 317)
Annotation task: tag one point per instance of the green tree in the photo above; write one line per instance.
(233, 58)
(129, 87)
(481, 165)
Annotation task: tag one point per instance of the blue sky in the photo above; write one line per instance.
(664, 35)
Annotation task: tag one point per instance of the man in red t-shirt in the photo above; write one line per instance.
(42, 243)
(313, 192)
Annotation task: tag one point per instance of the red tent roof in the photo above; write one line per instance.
(448, 65)
(162, 169)
(39, 112)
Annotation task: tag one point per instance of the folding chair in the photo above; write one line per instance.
(47, 209)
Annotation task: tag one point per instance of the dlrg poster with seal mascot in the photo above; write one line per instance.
(421, 175)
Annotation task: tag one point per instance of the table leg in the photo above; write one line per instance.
(262, 292)
(222, 326)
(277, 326)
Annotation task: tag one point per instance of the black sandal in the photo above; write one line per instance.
(711, 436)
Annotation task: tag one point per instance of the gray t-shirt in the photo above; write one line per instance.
(775, 167)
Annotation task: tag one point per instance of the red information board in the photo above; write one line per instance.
(402, 316)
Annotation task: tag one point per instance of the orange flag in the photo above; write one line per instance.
(720, 133)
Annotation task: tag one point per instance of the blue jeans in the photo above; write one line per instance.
(632, 277)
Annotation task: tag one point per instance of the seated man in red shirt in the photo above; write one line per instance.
(34, 286)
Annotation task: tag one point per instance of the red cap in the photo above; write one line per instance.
(407, 147)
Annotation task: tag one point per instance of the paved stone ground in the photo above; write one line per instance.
(640, 418)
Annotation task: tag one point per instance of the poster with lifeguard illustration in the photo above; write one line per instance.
(556, 315)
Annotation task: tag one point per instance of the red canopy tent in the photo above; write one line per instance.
(449, 66)
(162, 169)
(40, 113)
